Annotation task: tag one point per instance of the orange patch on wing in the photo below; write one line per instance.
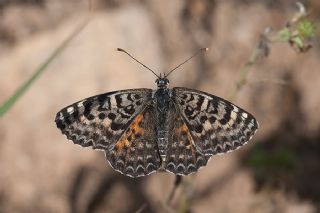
(131, 134)
(184, 130)
(135, 126)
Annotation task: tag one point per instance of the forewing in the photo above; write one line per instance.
(136, 153)
(182, 156)
(99, 121)
(216, 125)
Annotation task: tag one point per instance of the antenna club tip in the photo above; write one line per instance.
(119, 49)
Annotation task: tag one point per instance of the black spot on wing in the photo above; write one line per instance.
(67, 120)
(199, 103)
(60, 124)
(102, 116)
(90, 117)
(111, 116)
(118, 100)
(87, 107)
(75, 114)
(137, 96)
(129, 109)
(102, 98)
(203, 119)
(212, 119)
(115, 126)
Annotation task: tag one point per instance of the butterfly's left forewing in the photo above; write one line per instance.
(216, 125)
(99, 121)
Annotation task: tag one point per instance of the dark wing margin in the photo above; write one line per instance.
(216, 125)
(99, 121)
(182, 157)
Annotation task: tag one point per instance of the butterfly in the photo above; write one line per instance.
(143, 130)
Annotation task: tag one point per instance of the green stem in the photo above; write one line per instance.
(24, 87)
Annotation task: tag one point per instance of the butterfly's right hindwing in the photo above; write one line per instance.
(99, 121)
(182, 157)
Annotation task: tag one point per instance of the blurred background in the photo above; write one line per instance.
(40, 171)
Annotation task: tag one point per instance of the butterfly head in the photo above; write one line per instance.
(162, 82)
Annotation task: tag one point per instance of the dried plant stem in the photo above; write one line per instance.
(286, 34)
(142, 207)
(244, 73)
(177, 182)
(188, 194)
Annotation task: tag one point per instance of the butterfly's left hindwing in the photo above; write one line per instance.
(136, 153)
(99, 121)
(216, 125)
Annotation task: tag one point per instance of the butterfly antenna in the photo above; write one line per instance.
(122, 50)
(195, 54)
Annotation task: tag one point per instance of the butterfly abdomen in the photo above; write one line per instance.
(162, 103)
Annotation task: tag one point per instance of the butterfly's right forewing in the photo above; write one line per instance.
(216, 125)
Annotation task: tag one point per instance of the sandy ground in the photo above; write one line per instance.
(42, 172)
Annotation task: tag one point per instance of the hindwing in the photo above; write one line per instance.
(182, 157)
(136, 153)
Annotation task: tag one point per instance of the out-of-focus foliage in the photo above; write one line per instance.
(270, 163)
